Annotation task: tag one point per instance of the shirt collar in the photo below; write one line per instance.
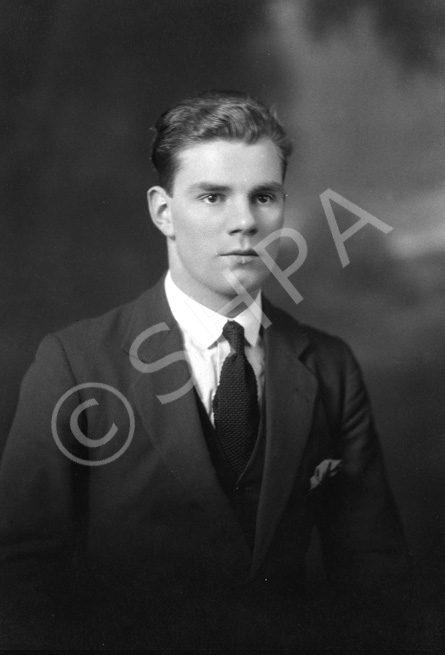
(203, 325)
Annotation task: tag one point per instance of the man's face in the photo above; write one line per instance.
(227, 197)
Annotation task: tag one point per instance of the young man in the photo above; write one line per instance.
(169, 461)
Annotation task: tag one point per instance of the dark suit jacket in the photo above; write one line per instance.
(146, 542)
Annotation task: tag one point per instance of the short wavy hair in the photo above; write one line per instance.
(229, 115)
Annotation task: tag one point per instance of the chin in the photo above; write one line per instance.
(250, 282)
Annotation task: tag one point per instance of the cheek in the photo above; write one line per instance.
(270, 227)
(194, 245)
(197, 237)
(190, 224)
(186, 233)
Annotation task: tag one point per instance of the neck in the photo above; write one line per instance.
(229, 305)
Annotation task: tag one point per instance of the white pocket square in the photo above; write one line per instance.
(325, 470)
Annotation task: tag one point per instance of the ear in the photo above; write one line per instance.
(159, 206)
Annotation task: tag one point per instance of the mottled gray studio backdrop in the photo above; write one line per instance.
(360, 85)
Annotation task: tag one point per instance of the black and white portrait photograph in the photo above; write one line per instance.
(222, 336)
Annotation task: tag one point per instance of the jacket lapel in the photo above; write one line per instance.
(290, 391)
(165, 399)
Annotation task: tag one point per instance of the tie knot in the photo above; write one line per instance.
(234, 333)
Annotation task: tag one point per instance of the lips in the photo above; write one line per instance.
(243, 253)
(241, 257)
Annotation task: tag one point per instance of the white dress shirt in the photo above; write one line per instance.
(204, 345)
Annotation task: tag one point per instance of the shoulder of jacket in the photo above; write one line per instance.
(111, 325)
(325, 341)
(317, 339)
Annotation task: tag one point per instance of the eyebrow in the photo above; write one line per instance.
(270, 186)
(209, 186)
(215, 188)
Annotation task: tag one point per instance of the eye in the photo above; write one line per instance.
(264, 198)
(212, 198)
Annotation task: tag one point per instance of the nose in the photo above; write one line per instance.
(242, 218)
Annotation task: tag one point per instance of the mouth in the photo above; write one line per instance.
(242, 256)
(243, 253)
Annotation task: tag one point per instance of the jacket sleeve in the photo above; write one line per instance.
(40, 499)
(362, 538)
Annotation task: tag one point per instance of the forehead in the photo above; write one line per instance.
(229, 163)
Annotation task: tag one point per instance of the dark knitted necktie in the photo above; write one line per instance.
(235, 405)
